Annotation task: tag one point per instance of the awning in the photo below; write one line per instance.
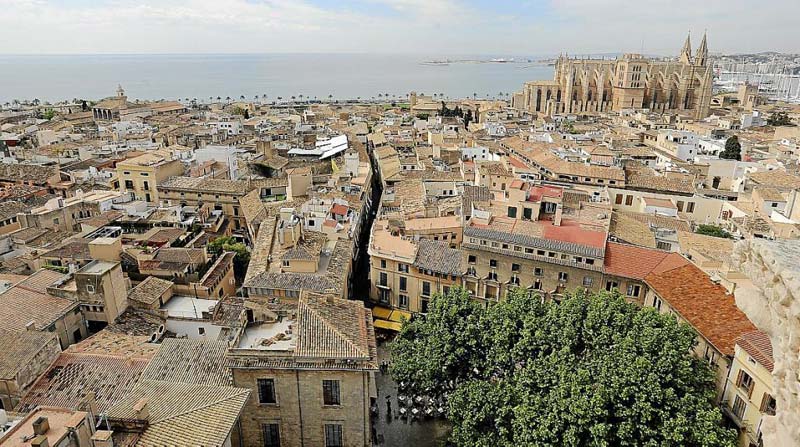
(390, 325)
(399, 316)
(381, 312)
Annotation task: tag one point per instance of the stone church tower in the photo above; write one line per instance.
(586, 86)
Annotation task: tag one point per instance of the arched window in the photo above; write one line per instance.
(558, 95)
(538, 100)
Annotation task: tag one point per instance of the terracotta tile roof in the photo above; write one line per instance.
(706, 306)
(200, 362)
(26, 172)
(339, 209)
(18, 349)
(438, 257)
(109, 342)
(183, 414)
(758, 345)
(334, 328)
(27, 301)
(633, 262)
(149, 290)
(72, 376)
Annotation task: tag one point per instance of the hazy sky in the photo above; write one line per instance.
(532, 27)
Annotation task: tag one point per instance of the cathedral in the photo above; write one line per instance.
(628, 82)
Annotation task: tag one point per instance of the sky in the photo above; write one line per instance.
(441, 27)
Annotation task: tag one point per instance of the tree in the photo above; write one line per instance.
(590, 370)
(242, 258)
(713, 230)
(733, 149)
(48, 114)
(779, 119)
(467, 118)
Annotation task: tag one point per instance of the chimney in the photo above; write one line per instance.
(41, 425)
(31, 326)
(103, 438)
(40, 441)
(141, 411)
(557, 217)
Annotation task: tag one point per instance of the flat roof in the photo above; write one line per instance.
(98, 266)
(276, 336)
(188, 307)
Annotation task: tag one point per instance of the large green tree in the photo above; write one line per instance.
(242, 258)
(733, 149)
(591, 370)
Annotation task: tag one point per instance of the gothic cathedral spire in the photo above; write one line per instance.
(701, 57)
(686, 52)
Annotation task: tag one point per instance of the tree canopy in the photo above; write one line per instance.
(591, 370)
(779, 119)
(712, 230)
(733, 149)
(242, 258)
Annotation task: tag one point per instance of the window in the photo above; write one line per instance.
(90, 288)
(628, 200)
(266, 391)
(657, 303)
(333, 435)
(471, 259)
(128, 184)
(512, 211)
(587, 281)
(272, 435)
(383, 279)
(745, 382)
(537, 271)
(664, 246)
(403, 283)
(768, 404)
(563, 276)
(690, 207)
(402, 301)
(515, 267)
(423, 306)
(403, 268)
(146, 186)
(739, 406)
(680, 206)
(426, 288)
(330, 392)
(383, 263)
(633, 290)
(493, 263)
(144, 174)
(201, 331)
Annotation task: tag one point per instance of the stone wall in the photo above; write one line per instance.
(771, 299)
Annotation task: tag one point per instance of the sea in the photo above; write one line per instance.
(57, 78)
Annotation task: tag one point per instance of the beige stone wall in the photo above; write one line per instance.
(771, 299)
(300, 411)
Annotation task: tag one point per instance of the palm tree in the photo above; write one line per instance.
(241, 97)
(330, 97)
(219, 98)
(293, 98)
(474, 95)
(228, 98)
(301, 97)
(280, 98)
